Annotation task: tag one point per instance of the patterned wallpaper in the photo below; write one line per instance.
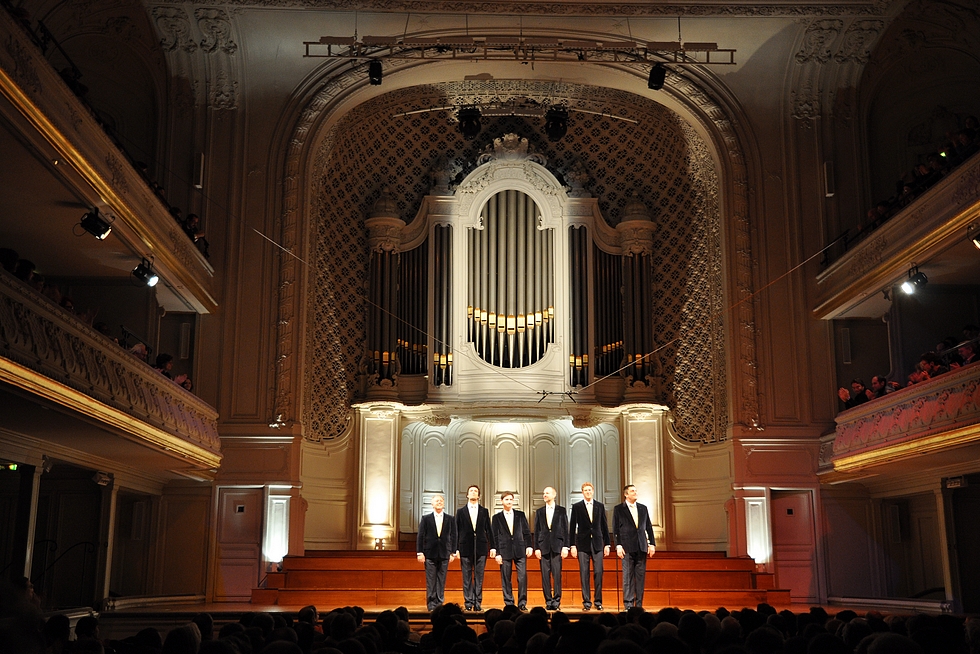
(660, 158)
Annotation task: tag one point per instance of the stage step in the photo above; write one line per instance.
(396, 578)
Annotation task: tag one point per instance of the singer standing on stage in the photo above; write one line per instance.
(435, 546)
(551, 546)
(474, 540)
(588, 534)
(513, 537)
(634, 543)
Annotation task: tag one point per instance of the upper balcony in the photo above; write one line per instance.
(58, 163)
(931, 232)
(94, 388)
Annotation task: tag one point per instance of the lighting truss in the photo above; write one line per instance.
(519, 48)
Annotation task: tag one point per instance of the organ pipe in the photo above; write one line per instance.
(511, 282)
(442, 354)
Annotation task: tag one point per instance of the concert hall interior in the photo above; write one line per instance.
(727, 253)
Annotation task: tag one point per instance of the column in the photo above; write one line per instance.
(378, 449)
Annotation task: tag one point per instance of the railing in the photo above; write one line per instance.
(941, 413)
(930, 225)
(49, 352)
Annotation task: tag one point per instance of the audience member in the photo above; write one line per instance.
(857, 395)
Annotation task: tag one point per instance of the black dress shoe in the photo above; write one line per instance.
(586, 607)
(478, 607)
(598, 607)
(522, 608)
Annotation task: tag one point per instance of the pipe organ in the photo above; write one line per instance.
(510, 306)
(548, 298)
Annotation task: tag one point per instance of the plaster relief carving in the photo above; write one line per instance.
(223, 92)
(856, 46)
(215, 27)
(175, 29)
(21, 66)
(817, 39)
(868, 257)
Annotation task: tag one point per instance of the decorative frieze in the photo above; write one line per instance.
(939, 413)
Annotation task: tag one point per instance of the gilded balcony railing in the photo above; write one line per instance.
(49, 353)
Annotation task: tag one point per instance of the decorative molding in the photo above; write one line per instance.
(817, 39)
(856, 45)
(940, 413)
(41, 337)
(542, 7)
(216, 29)
(174, 27)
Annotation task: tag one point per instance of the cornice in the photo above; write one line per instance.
(597, 9)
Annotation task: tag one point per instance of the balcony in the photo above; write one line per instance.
(933, 227)
(60, 163)
(934, 423)
(94, 396)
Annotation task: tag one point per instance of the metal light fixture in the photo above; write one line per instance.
(915, 280)
(374, 72)
(95, 225)
(144, 273)
(658, 75)
(469, 122)
(973, 233)
(556, 123)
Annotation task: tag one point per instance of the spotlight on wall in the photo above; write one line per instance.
(95, 225)
(973, 233)
(374, 72)
(556, 123)
(102, 478)
(144, 273)
(915, 280)
(658, 75)
(469, 122)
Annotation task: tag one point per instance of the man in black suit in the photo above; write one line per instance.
(634, 543)
(435, 546)
(551, 546)
(589, 535)
(474, 539)
(512, 534)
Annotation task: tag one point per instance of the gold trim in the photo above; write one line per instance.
(134, 429)
(916, 447)
(36, 116)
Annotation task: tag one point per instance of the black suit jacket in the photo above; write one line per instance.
(633, 538)
(588, 536)
(512, 547)
(436, 547)
(550, 541)
(473, 544)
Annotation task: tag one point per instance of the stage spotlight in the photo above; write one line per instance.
(93, 223)
(973, 233)
(469, 122)
(658, 75)
(144, 273)
(374, 72)
(915, 280)
(556, 123)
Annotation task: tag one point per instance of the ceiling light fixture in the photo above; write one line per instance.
(915, 280)
(374, 72)
(658, 75)
(469, 122)
(556, 123)
(144, 273)
(95, 225)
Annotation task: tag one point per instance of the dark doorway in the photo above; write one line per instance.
(67, 544)
(966, 529)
